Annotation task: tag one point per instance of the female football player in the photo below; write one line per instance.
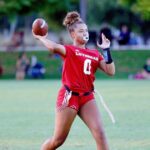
(76, 95)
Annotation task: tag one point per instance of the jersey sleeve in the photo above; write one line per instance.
(68, 51)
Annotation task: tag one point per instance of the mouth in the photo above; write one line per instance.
(85, 38)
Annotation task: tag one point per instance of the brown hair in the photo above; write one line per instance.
(71, 19)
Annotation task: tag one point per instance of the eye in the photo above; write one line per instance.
(80, 31)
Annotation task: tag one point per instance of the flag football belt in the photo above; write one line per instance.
(78, 94)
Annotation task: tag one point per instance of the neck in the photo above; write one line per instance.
(79, 45)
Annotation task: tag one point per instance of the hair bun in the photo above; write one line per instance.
(71, 18)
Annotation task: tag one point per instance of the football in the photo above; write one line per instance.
(40, 27)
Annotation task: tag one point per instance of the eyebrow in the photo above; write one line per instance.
(83, 29)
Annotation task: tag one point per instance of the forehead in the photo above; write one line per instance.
(81, 26)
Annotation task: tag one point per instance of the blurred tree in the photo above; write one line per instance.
(138, 6)
(109, 11)
(142, 8)
(97, 9)
(115, 13)
(55, 11)
(83, 9)
(52, 10)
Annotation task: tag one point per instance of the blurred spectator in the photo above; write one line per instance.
(1, 69)
(61, 40)
(124, 35)
(16, 41)
(36, 69)
(106, 30)
(22, 66)
(133, 39)
(145, 72)
(92, 37)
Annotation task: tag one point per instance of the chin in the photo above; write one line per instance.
(83, 42)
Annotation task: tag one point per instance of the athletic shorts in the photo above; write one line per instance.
(65, 99)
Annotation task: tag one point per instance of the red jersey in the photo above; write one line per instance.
(79, 68)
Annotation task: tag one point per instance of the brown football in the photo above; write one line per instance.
(40, 27)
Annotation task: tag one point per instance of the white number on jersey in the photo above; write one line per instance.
(87, 67)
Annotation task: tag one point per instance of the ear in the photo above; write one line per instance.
(72, 34)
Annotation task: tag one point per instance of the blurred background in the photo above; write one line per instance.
(125, 22)
(27, 106)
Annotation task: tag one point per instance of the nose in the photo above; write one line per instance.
(85, 34)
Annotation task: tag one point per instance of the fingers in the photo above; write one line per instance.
(45, 35)
(99, 45)
(38, 36)
(105, 42)
(104, 37)
(33, 33)
(35, 36)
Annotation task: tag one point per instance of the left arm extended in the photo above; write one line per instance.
(107, 65)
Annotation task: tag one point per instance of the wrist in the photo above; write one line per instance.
(107, 56)
(106, 49)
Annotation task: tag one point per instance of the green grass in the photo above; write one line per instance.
(27, 115)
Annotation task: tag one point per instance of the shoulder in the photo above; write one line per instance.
(98, 53)
(95, 51)
(69, 46)
(70, 49)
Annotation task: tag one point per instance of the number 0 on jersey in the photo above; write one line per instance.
(87, 66)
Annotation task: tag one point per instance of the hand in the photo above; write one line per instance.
(105, 42)
(38, 37)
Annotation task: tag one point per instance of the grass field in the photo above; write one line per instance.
(27, 115)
